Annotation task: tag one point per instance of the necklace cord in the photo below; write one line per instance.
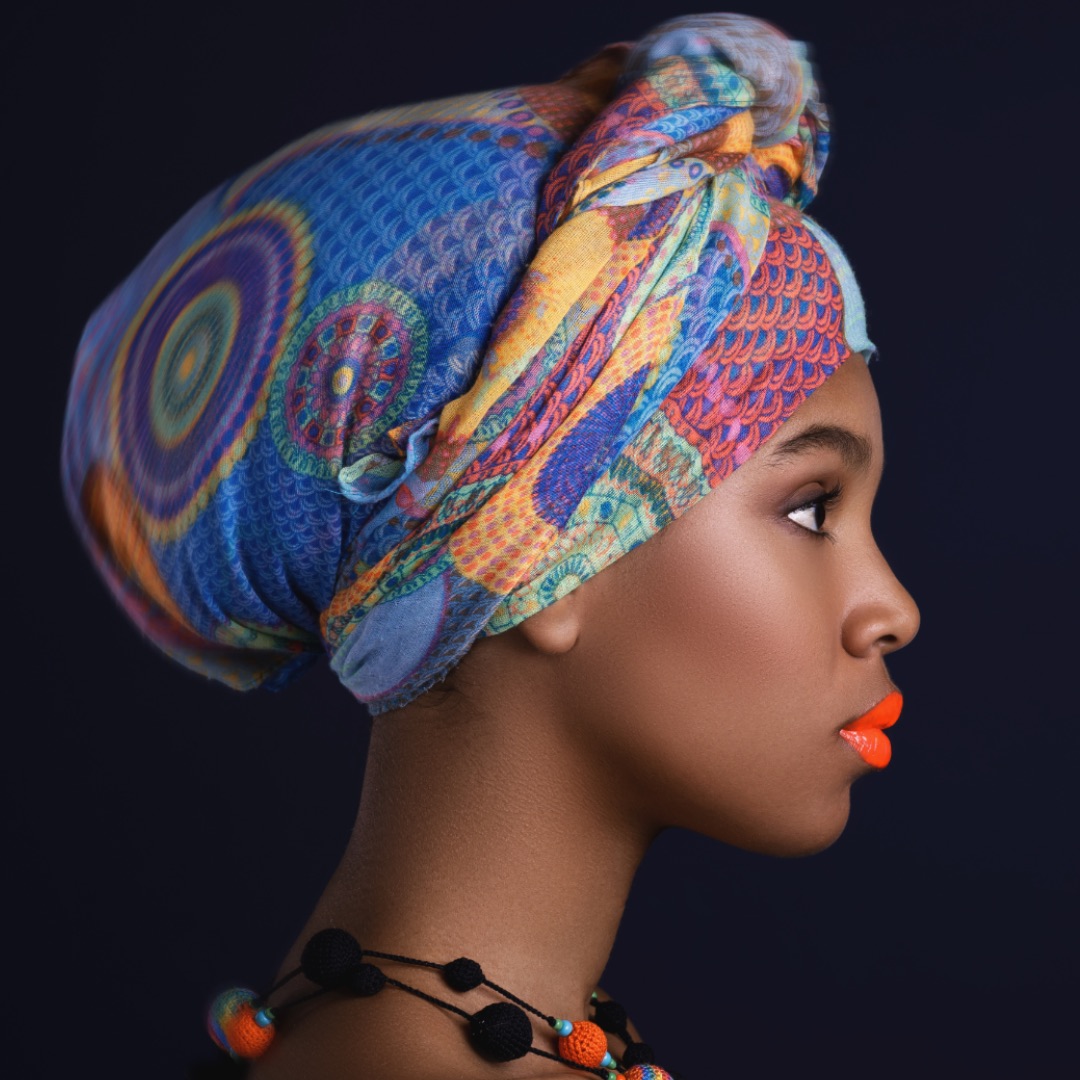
(486, 982)
(334, 960)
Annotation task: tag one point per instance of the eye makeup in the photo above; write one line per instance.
(812, 514)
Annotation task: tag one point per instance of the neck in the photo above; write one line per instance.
(482, 832)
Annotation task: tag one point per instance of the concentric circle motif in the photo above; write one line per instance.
(193, 370)
(188, 367)
(347, 375)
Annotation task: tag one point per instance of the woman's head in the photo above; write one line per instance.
(706, 676)
(419, 376)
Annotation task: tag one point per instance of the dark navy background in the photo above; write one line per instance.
(164, 836)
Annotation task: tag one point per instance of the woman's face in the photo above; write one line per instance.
(716, 663)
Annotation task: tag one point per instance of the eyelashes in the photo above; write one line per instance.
(812, 515)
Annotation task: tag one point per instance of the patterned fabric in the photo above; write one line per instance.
(417, 376)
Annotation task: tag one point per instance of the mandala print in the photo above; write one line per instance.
(347, 377)
(191, 375)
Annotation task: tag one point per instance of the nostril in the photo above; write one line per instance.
(881, 625)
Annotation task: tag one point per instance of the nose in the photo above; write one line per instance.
(883, 616)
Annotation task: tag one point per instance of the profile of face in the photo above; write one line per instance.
(707, 674)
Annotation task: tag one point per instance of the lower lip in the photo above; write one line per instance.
(866, 736)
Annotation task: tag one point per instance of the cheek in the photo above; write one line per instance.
(714, 689)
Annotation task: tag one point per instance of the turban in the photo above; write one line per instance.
(420, 374)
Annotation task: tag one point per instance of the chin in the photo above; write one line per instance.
(790, 839)
(810, 842)
(800, 849)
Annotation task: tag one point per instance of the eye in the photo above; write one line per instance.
(811, 515)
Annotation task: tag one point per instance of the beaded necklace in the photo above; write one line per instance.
(242, 1022)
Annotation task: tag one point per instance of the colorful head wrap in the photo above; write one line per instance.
(420, 374)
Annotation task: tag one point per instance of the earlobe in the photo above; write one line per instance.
(555, 629)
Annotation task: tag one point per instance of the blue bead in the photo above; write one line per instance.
(563, 1027)
(264, 1017)
(607, 1062)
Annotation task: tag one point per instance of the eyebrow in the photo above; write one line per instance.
(855, 450)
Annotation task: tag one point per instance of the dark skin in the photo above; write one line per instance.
(699, 681)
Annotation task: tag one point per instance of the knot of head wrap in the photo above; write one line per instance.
(440, 365)
(700, 96)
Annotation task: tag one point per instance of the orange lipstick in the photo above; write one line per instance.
(866, 736)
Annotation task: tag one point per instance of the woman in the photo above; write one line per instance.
(417, 390)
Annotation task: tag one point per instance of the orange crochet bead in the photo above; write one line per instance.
(585, 1045)
(246, 1038)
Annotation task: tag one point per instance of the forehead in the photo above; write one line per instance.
(846, 399)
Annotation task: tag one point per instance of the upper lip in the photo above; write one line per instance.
(886, 718)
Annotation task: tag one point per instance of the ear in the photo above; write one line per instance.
(555, 629)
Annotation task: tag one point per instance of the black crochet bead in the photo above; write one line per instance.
(637, 1054)
(366, 981)
(330, 957)
(501, 1032)
(463, 974)
(610, 1016)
